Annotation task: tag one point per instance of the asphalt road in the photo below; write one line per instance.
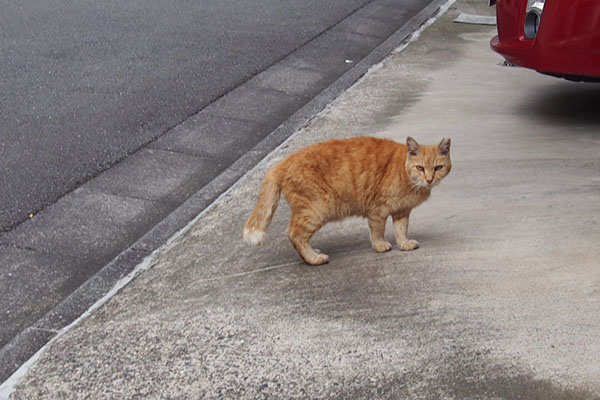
(120, 122)
(84, 84)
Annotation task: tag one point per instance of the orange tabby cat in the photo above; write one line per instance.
(364, 176)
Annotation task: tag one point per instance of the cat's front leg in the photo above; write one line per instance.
(401, 228)
(377, 230)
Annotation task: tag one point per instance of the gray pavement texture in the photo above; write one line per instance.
(500, 302)
(55, 265)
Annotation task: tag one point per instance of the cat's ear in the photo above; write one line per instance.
(412, 146)
(444, 147)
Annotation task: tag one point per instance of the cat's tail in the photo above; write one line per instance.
(255, 229)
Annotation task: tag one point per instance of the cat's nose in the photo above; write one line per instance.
(429, 180)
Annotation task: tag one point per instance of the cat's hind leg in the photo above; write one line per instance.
(377, 230)
(301, 228)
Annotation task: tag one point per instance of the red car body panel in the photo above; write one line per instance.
(567, 42)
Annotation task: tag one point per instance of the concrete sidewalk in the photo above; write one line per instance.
(500, 302)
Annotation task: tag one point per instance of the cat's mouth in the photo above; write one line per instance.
(425, 185)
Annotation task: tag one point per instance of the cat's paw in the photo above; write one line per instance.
(320, 259)
(382, 247)
(408, 245)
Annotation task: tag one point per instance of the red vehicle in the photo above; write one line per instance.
(554, 37)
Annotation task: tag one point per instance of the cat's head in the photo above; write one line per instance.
(427, 165)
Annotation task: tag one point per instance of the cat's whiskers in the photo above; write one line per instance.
(417, 186)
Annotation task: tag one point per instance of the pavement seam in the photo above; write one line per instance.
(125, 196)
(17, 247)
(35, 328)
(173, 151)
(253, 272)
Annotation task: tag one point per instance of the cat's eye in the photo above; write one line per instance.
(438, 167)
(420, 168)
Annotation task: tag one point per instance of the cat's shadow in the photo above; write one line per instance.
(359, 242)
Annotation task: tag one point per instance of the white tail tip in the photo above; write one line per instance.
(255, 238)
